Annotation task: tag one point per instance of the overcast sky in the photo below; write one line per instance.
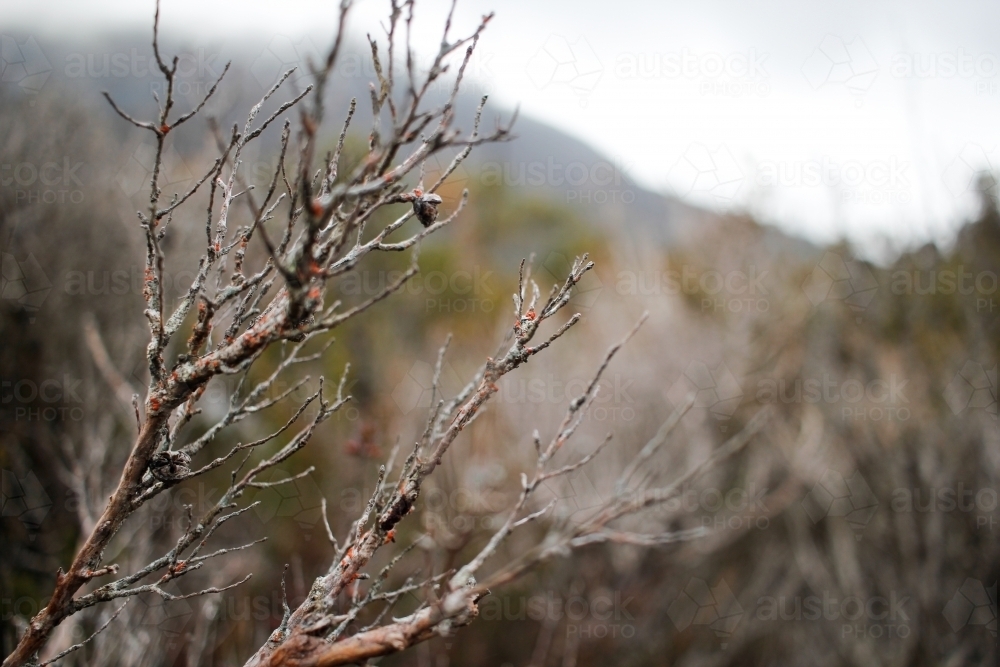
(859, 119)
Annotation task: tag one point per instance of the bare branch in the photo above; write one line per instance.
(99, 630)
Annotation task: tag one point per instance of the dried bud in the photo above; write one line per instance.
(170, 465)
(425, 206)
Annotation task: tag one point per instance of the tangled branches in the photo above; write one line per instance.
(312, 219)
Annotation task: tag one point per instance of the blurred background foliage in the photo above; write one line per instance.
(816, 315)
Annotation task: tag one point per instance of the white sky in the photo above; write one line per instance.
(827, 135)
